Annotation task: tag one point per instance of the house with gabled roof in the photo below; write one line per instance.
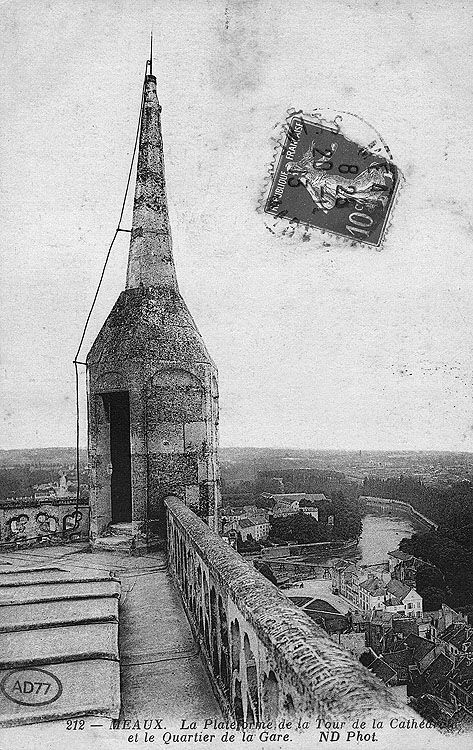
(376, 591)
(372, 593)
(382, 670)
(403, 598)
(424, 651)
(257, 527)
(345, 578)
(377, 627)
(457, 640)
(439, 712)
(402, 565)
(435, 677)
(400, 627)
(400, 661)
(460, 684)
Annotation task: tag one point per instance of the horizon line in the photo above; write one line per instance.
(273, 447)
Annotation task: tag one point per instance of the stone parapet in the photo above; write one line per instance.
(266, 658)
(27, 522)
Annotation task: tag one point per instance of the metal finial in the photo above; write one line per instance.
(151, 55)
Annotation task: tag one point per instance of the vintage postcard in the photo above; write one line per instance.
(236, 460)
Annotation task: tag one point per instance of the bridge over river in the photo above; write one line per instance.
(298, 570)
(381, 533)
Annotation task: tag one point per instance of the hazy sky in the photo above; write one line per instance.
(317, 346)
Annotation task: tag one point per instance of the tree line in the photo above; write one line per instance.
(304, 529)
(451, 506)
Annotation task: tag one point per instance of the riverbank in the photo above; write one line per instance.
(381, 533)
(386, 503)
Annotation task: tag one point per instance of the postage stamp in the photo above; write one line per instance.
(324, 179)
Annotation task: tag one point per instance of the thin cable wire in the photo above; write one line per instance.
(76, 358)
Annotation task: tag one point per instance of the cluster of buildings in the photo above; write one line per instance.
(250, 522)
(254, 523)
(430, 660)
(426, 656)
(286, 504)
(391, 590)
(62, 490)
(52, 490)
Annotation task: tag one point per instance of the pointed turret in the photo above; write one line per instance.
(150, 261)
(152, 385)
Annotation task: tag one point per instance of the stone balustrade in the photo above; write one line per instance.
(265, 657)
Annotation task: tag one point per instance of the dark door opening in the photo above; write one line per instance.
(118, 405)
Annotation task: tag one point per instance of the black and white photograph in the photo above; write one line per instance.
(236, 455)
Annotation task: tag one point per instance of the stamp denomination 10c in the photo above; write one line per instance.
(322, 179)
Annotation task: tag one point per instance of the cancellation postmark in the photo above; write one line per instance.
(324, 179)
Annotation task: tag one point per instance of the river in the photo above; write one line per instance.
(381, 533)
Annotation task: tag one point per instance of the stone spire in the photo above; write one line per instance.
(150, 261)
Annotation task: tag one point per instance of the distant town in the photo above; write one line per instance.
(312, 522)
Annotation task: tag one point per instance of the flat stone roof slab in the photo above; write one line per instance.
(58, 640)
(162, 673)
(49, 575)
(30, 614)
(45, 592)
(78, 688)
(68, 643)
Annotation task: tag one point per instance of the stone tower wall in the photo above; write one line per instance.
(173, 392)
